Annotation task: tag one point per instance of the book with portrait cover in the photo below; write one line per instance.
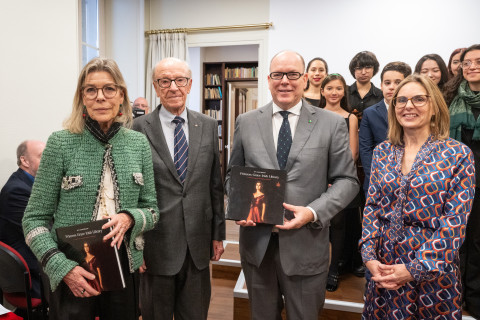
(84, 244)
(256, 194)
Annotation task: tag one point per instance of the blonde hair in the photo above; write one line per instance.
(440, 121)
(75, 123)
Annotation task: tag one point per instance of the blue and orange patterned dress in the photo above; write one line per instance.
(419, 220)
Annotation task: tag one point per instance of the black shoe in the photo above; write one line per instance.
(332, 282)
(359, 271)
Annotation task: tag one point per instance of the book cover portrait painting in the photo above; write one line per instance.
(256, 194)
(84, 244)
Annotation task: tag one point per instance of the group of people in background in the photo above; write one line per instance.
(412, 144)
(417, 140)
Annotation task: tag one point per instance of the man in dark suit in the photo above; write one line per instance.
(374, 126)
(190, 198)
(13, 201)
(311, 144)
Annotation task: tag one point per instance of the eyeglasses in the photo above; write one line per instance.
(290, 75)
(417, 101)
(467, 63)
(109, 91)
(166, 83)
(367, 68)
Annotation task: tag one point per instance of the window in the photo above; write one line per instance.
(90, 30)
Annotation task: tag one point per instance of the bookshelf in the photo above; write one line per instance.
(216, 76)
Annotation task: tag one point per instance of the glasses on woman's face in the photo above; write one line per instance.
(166, 83)
(109, 91)
(467, 63)
(290, 75)
(417, 101)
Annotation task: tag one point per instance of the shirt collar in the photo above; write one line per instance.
(32, 178)
(295, 109)
(386, 104)
(168, 117)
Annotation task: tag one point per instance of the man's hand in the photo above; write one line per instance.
(303, 215)
(217, 250)
(245, 223)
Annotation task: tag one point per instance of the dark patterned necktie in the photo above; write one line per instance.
(180, 149)
(284, 141)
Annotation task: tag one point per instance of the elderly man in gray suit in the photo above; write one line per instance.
(176, 275)
(286, 265)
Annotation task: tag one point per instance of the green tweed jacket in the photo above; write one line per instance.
(66, 189)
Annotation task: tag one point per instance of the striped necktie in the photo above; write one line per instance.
(180, 149)
(284, 141)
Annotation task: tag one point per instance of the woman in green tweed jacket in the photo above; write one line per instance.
(93, 169)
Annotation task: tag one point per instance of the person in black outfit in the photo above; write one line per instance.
(13, 201)
(462, 94)
(362, 93)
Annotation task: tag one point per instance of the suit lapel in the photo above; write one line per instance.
(382, 110)
(194, 140)
(154, 132)
(305, 125)
(264, 121)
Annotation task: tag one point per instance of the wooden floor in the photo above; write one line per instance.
(222, 302)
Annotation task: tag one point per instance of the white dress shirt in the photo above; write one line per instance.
(293, 117)
(168, 128)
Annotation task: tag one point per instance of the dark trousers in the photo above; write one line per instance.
(337, 237)
(303, 296)
(109, 305)
(185, 295)
(470, 259)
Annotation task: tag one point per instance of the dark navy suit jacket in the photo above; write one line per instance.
(13, 201)
(373, 131)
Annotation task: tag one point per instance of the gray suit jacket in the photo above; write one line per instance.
(191, 215)
(320, 154)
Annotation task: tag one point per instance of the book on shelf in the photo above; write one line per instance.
(256, 194)
(213, 93)
(212, 79)
(241, 72)
(216, 114)
(84, 244)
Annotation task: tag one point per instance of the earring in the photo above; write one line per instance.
(120, 112)
(84, 112)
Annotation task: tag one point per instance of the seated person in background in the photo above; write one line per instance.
(13, 201)
(433, 66)
(140, 107)
(363, 93)
(374, 127)
(317, 70)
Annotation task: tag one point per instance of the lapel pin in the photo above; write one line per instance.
(309, 121)
(196, 125)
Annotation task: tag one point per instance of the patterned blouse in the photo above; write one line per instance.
(418, 219)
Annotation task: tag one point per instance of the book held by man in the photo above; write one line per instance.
(84, 244)
(256, 194)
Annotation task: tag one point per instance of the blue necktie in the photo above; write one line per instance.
(284, 141)
(180, 149)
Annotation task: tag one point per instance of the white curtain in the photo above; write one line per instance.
(162, 45)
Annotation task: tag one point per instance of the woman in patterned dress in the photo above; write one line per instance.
(419, 198)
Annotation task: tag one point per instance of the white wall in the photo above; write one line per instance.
(124, 42)
(39, 63)
(231, 53)
(169, 14)
(394, 30)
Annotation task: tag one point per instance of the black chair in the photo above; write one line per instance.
(16, 282)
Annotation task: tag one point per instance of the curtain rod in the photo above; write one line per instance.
(187, 30)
